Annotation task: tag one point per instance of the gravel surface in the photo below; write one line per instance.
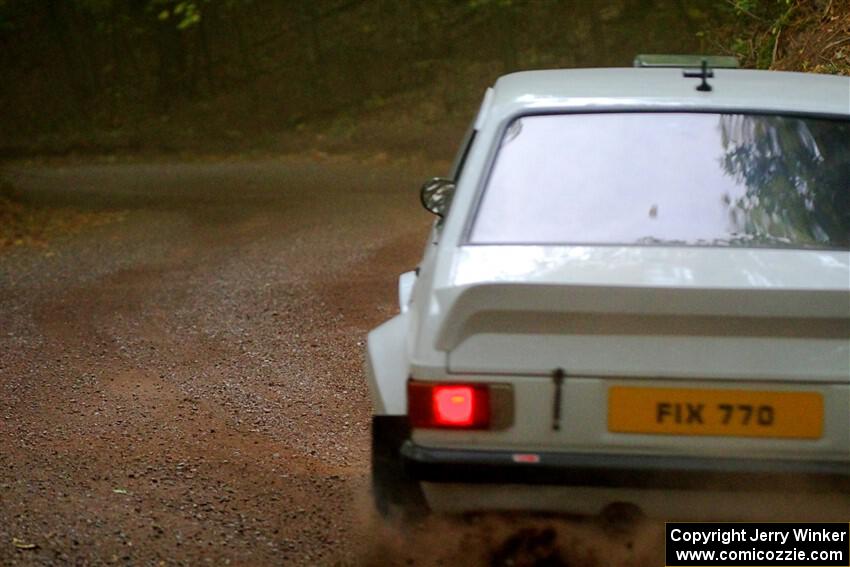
(185, 386)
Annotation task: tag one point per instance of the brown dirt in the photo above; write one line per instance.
(498, 540)
(185, 386)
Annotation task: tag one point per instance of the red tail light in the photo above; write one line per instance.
(455, 405)
(459, 406)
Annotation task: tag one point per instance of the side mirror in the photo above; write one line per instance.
(406, 281)
(436, 195)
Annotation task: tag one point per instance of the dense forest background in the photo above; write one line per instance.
(99, 76)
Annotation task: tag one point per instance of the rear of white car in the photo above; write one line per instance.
(641, 294)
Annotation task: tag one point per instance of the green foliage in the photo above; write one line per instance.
(759, 9)
(745, 6)
(189, 13)
(186, 13)
(757, 25)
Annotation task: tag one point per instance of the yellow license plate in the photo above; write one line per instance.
(733, 413)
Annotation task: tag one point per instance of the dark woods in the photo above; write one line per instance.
(231, 67)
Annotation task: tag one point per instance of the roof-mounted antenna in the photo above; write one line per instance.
(704, 73)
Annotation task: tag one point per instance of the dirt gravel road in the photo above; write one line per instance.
(185, 386)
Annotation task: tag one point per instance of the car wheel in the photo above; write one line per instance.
(396, 495)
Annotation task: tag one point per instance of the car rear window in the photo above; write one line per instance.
(683, 179)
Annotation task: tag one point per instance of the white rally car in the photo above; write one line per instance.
(637, 292)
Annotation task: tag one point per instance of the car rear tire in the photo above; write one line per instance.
(396, 495)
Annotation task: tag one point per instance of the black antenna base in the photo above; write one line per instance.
(703, 73)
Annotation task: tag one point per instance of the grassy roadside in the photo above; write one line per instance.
(816, 41)
(810, 36)
(25, 225)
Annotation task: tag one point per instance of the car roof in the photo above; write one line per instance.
(666, 89)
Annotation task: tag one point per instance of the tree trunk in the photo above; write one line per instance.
(204, 46)
(57, 21)
(171, 62)
(315, 54)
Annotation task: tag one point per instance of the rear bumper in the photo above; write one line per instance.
(623, 471)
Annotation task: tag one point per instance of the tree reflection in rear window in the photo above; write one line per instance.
(681, 179)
